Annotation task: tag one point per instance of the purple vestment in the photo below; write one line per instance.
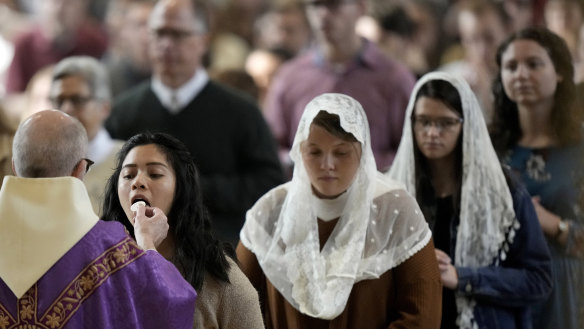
(104, 281)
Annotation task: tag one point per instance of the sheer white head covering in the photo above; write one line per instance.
(380, 225)
(487, 219)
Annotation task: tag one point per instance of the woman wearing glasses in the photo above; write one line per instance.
(537, 130)
(492, 256)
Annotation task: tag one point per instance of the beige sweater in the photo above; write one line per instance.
(223, 306)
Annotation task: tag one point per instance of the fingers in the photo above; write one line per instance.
(447, 271)
(443, 267)
(442, 257)
(139, 209)
(150, 231)
(150, 215)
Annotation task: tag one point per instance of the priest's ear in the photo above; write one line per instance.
(81, 168)
(13, 168)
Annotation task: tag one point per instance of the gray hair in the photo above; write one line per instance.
(43, 148)
(90, 70)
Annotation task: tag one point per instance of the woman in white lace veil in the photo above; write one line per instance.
(493, 259)
(340, 245)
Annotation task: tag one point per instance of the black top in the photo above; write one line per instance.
(441, 234)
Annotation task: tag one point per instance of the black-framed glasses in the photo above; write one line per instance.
(76, 100)
(422, 123)
(88, 164)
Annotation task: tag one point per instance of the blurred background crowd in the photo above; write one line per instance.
(229, 74)
(250, 39)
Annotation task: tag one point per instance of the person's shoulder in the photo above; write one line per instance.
(297, 68)
(28, 39)
(268, 207)
(222, 93)
(109, 231)
(242, 298)
(238, 281)
(391, 196)
(305, 59)
(397, 198)
(234, 107)
(274, 198)
(134, 93)
(386, 66)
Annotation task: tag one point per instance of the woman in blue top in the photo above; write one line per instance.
(536, 130)
(493, 258)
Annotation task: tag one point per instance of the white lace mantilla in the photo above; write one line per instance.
(487, 219)
(380, 225)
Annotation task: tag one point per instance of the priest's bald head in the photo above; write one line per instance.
(50, 144)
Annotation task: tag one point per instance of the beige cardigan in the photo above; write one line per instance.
(223, 306)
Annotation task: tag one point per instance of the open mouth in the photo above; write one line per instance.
(139, 199)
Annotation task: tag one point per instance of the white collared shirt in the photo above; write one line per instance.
(100, 146)
(184, 94)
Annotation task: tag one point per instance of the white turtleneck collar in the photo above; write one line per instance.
(329, 209)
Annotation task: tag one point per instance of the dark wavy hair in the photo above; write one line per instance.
(446, 93)
(197, 250)
(566, 117)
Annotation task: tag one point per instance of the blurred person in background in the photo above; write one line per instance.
(284, 26)
(80, 88)
(127, 59)
(14, 23)
(37, 93)
(262, 64)
(482, 26)
(239, 80)
(6, 137)
(231, 32)
(62, 30)
(340, 61)
(524, 13)
(428, 36)
(565, 18)
(394, 33)
(225, 132)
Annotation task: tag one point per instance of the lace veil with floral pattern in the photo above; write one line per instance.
(380, 226)
(487, 219)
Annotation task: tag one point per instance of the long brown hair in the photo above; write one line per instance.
(566, 115)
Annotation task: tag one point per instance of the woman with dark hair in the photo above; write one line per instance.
(340, 245)
(493, 259)
(537, 131)
(158, 170)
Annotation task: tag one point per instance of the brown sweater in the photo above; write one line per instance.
(407, 296)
